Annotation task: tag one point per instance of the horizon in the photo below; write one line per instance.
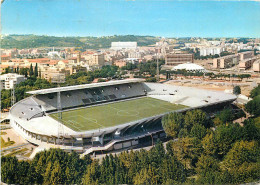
(136, 35)
(170, 19)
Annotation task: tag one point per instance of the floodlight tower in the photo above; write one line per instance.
(13, 95)
(57, 79)
(157, 69)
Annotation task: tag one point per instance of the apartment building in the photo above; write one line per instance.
(173, 59)
(97, 59)
(123, 45)
(51, 73)
(211, 51)
(246, 55)
(226, 61)
(256, 66)
(244, 59)
(5, 58)
(8, 81)
(246, 64)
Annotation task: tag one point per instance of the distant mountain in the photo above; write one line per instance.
(35, 41)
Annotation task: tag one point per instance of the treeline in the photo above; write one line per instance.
(32, 71)
(222, 153)
(227, 154)
(82, 43)
(55, 166)
(143, 69)
(253, 106)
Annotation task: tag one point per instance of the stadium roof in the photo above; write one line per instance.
(85, 86)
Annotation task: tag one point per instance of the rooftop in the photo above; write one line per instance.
(188, 66)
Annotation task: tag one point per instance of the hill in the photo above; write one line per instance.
(36, 41)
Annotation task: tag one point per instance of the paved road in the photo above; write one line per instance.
(10, 148)
(137, 149)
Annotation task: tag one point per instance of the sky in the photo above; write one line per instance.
(166, 18)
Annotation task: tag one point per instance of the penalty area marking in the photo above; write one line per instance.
(92, 120)
(127, 113)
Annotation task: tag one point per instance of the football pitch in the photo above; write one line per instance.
(112, 114)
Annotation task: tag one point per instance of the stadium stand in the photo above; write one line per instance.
(27, 109)
(34, 117)
(77, 98)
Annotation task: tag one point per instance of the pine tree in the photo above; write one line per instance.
(56, 174)
(36, 70)
(31, 71)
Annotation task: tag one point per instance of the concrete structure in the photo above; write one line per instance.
(97, 60)
(246, 55)
(50, 73)
(256, 66)
(5, 58)
(123, 45)
(190, 67)
(30, 118)
(173, 59)
(226, 61)
(246, 64)
(120, 63)
(8, 81)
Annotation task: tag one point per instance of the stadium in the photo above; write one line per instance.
(105, 116)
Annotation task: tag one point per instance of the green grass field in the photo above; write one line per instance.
(115, 113)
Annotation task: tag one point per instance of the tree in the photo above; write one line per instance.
(237, 90)
(198, 131)
(56, 174)
(146, 176)
(242, 161)
(226, 115)
(9, 169)
(31, 71)
(36, 70)
(172, 123)
(253, 106)
(195, 117)
(187, 150)
(205, 164)
(255, 92)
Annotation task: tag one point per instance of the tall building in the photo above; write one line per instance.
(97, 60)
(256, 66)
(8, 81)
(246, 55)
(211, 51)
(173, 59)
(123, 45)
(226, 61)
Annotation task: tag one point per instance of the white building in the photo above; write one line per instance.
(211, 51)
(123, 45)
(190, 67)
(8, 81)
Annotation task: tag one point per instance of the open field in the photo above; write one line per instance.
(6, 143)
(113, 114)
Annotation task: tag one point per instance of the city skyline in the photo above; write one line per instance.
(155, 18)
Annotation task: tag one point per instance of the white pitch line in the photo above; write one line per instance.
(92, 121)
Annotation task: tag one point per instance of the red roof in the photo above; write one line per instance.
(39, 60)
(3, 56)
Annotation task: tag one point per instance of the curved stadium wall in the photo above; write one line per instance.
(108, 116)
